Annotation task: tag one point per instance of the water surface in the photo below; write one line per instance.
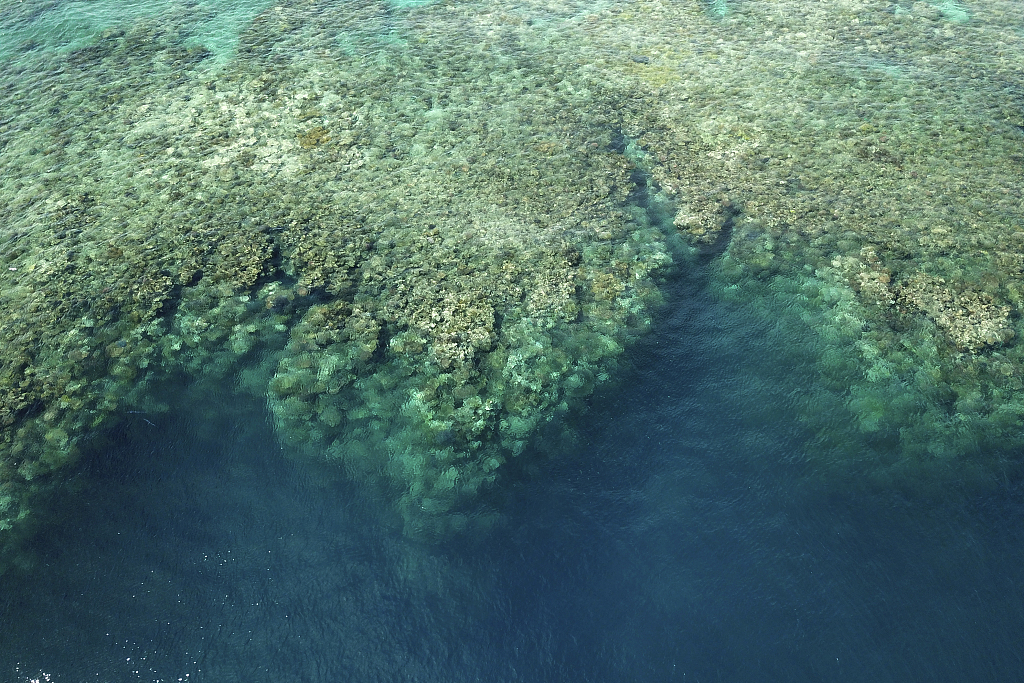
(680, 538)
(640, 341)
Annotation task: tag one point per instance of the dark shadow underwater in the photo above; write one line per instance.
(680, 535)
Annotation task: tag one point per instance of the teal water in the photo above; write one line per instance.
(67, 26)
(638, 341)
(678, 538)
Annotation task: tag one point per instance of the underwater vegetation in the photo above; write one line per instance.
(422, 233)
(862, 163)
(417, 253)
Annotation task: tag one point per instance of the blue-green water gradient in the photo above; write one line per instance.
(687, 521)
(678, 538)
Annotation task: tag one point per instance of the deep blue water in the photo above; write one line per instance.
(683, 536)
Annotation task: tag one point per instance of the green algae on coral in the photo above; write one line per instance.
(432, 248)
(862, 166)
(417, 231)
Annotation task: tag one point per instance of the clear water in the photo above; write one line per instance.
(758, 487)
(66, 26)
(679, 539)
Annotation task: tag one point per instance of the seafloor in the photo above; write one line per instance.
(421, 233)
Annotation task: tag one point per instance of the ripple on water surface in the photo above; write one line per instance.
(414, 243)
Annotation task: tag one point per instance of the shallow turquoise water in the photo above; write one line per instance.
(685, 523)
(66, 26)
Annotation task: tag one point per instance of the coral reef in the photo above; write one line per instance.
(971, 319)
(425, 255)
(858, 166)
(423, 232)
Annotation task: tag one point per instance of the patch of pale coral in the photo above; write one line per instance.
(868, 276)
(972, 320)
